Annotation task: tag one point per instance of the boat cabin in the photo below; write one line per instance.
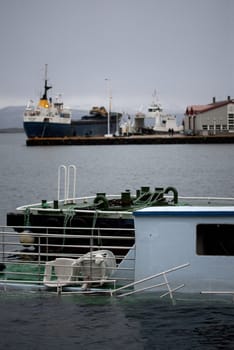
(202, 238)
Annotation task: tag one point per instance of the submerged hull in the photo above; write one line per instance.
(178, 249)
(164, 243)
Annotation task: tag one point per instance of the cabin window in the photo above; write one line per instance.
(215, 239)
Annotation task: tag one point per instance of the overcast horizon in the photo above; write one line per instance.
(183, 49)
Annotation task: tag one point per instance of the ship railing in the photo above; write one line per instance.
(26, 264)
(89, 199)
(219, 293)
(153, 286)
(204, 200)
(75, 201)
(209, 198)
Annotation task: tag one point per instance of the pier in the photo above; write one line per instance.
(129, 140)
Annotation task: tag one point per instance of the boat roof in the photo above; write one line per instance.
(186, 211)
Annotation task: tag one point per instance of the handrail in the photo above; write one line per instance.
(73, 194)
(67, 177)
(33, 261)
(221, 292)
(163, 273)
(60, 169)
(25, 265)
(37, 206)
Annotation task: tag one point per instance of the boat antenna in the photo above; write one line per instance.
(109, 109)
(46, 87)
(154, 95)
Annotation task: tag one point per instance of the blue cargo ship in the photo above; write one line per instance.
(52, 119)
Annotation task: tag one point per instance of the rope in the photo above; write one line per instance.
(94, 225)
(27, 217)
(67, 221)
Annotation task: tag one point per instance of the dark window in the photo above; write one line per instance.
(215, 239)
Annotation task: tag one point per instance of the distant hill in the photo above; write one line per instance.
(11, 117)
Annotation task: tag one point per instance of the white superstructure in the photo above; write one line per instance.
(163, 123)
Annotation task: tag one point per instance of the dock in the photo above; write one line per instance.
(129, 140)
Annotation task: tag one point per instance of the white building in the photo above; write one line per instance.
(211, 119)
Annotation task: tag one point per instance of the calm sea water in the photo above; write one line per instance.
(39, 321)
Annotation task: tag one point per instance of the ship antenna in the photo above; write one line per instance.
(46, 87)
(154, 95)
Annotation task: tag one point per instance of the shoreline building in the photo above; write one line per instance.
(211, 119)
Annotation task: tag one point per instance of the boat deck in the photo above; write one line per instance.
(24, 270)
(24, 266)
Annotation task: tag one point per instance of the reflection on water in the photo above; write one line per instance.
(143, 322)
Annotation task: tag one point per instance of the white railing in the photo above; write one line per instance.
(69, 173)
(26, 264)
(153, 286)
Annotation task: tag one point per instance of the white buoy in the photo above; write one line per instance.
(26, 238)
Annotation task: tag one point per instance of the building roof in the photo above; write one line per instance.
(197, 109)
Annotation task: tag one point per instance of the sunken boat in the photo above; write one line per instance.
(73, 224)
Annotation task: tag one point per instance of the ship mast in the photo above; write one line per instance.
(46, 87)
(109, 109)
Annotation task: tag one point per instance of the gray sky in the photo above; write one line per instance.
(182, 48)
